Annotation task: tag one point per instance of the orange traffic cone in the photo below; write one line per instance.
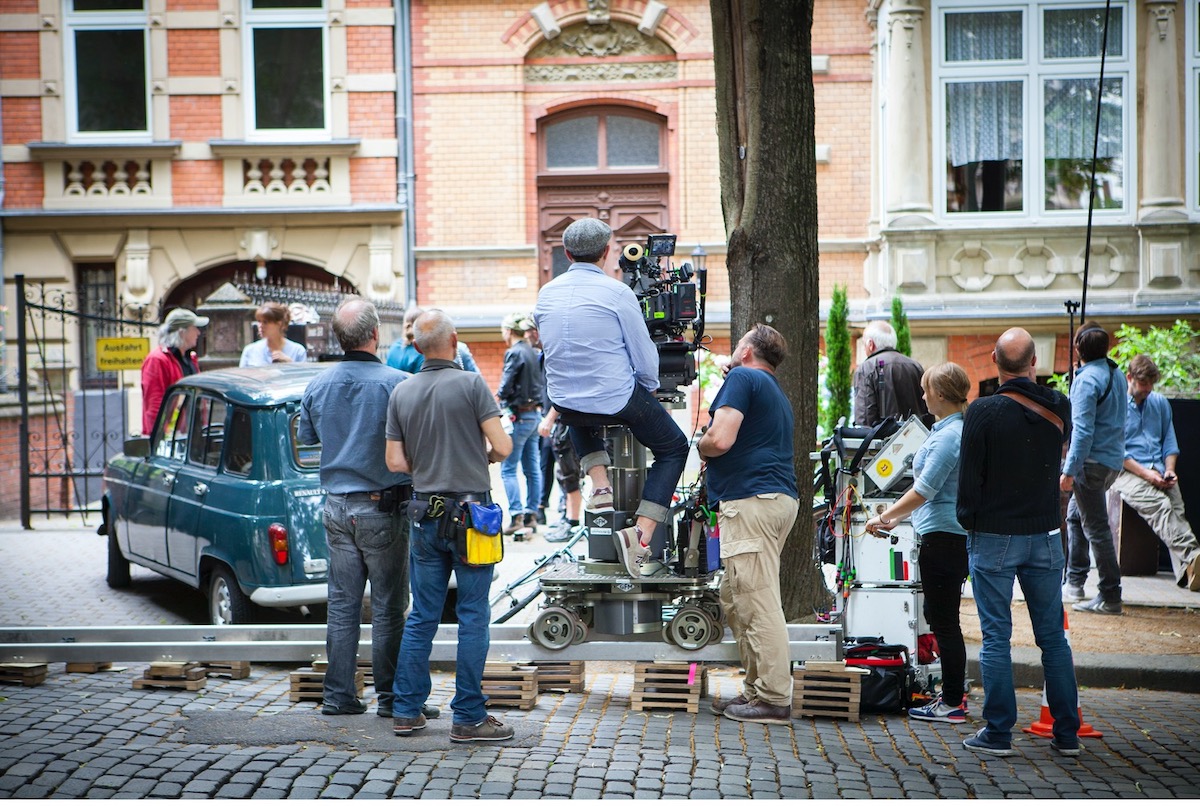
(1044, 726)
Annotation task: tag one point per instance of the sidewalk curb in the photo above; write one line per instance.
(1104, 670)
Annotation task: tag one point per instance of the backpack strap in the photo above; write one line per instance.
(1036, 408)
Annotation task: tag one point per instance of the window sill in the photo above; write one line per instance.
(250, 148)
(46, 152)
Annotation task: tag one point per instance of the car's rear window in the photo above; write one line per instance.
(306, 456)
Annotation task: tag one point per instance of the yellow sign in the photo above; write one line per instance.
(117, 354)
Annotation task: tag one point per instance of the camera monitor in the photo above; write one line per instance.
(661, 245)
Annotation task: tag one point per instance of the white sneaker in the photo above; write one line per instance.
(1071, 593)
(601, 500)
(630, 551)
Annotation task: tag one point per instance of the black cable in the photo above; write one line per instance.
(1087, 241)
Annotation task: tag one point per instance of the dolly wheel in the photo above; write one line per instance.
(554, 628)
(692, 628)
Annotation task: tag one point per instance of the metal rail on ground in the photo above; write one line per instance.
(306, 643)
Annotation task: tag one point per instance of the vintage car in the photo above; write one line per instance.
(221, 496)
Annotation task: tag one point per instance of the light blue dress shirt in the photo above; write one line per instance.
(595, 341)
(935, 468)
(257, 354)
(1150, 432)
(1097, 429)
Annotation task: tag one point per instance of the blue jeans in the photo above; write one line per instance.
(432, 561)
(525, 452)
(650, 425)
(1087, 527)
(364, 543)
(1037, 562)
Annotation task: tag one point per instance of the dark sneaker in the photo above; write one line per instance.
(980, 744)
(759, 711)
(541, 516)
(430, 711)
(516, 525)
(1066, 749)
(630, 550)
(718, 706)
(531, 521)
(404, 725)
(1073, 593)
(601, 500)
(1098, 605)
(938, 711)
(353, 707)
(489, 730)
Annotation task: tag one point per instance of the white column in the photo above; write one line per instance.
(1162, 140)
(907, 114)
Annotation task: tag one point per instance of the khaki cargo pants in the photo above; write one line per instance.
(753, 531)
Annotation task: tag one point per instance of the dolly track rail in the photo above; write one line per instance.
(306, 643)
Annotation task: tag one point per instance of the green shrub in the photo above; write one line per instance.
(837, 351)
(1175, 350)
(900, 325)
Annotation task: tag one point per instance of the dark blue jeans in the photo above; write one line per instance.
(364, 544)
(1088, 528)
(432, 561)
(1037, 562)
(650, 425)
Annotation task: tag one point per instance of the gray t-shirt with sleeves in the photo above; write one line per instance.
(438, 414)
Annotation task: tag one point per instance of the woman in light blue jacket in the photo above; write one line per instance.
(943, 543)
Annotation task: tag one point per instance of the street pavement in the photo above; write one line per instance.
(91, 735)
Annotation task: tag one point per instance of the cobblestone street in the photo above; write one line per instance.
(90, 735)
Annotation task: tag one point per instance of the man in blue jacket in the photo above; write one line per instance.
(1093, 461)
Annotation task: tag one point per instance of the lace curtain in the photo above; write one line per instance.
(984, 121)
(1076, 33)
(1070, 119)
(983, 37)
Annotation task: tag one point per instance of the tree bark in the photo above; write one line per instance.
(765, 124)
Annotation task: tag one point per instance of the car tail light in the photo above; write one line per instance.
(277, 533)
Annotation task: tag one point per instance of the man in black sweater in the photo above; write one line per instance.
(1009, 504)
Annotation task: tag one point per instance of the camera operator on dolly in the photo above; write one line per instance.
(602, 368)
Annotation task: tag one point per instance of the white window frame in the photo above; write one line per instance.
(74, 21)
(1191, 107)
(1032, 70)
(284, 18)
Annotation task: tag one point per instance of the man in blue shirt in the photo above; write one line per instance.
(751, 474)
(1148, 483)
(404, 356)
(602, 368)
(344, 410)
(1095, 457)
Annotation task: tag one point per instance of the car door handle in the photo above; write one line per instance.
(200, 489)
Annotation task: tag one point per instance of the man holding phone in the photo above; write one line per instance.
(1147, 481)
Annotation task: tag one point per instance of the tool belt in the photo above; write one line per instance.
(469, 522)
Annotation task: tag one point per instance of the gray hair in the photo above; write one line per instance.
(432, 331)
(354, 322)
(881, 333)
(412, 313)
(169, 338)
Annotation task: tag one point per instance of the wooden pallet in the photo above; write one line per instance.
(557, 675)
(185, 675)
(364, 666)
(507, 685)
(309, 684)
(827, 689)
(669, 685)
(80, 667)
(233, 669)
(24, 674)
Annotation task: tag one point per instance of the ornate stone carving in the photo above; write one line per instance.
(613, 38)
(107, 178)
(597, 12)
(1105, 266)
(1034, 265)
(623, 71)
(1162, 15)
(284, 175)
(972, 267)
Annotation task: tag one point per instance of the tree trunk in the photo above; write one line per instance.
(765, 123)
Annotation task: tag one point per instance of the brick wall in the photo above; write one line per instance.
(22, 120)
(370, 49)
(373, 114)
(373, 180)
(20, 60)
(195, 118)
(193, 52)
(22, 184)
(193, 5)
(43, 431)
(197, 183)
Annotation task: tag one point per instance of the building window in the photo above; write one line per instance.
(107, 58)
(287, 52)
(98, 304)
(613, 142)
(1019, 90)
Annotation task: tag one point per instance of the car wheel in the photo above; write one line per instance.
(118, 566)
(226, 602)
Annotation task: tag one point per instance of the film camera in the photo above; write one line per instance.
(671, 303)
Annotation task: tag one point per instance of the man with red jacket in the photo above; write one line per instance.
(170, 360)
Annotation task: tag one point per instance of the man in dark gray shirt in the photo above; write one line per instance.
(342, 409)
(443, 426)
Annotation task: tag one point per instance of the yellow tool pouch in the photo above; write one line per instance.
(481, 542)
